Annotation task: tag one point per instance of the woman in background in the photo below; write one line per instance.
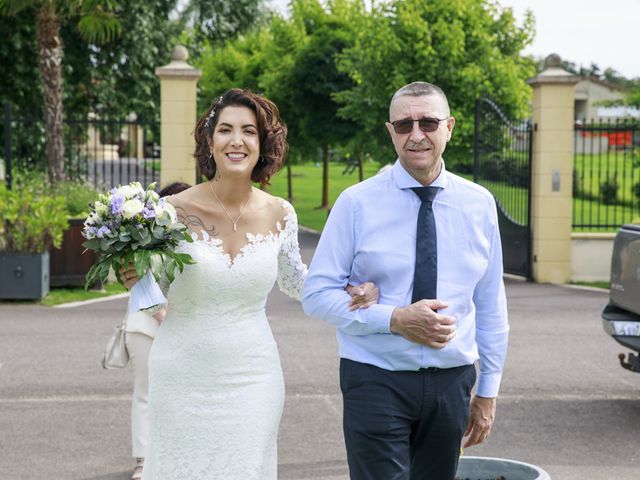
(141, 328)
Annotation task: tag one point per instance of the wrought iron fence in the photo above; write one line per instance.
(502, 158)
(502, 164)
(606, 174)
(100, 149)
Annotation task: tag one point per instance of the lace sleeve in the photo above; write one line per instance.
(291, 270)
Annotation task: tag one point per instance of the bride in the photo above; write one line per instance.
(216, 389)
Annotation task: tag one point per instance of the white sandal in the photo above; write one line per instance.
(137, 470)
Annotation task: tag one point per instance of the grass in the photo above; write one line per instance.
(307, 189)
(605, 285)
(59, 296)
(591, 171)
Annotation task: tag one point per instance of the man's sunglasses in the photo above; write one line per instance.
(426, 124)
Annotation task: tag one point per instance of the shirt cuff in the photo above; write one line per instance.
(379, 318)
(488, 385)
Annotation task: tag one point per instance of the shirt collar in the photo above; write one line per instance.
(404, 180)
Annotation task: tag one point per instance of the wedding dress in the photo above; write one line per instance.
(216, 389)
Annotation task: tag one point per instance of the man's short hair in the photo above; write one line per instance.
(420, 89)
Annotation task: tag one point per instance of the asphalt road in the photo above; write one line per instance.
(565, 404)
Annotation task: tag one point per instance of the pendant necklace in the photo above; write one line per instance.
(235, 222)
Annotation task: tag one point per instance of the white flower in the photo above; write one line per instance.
(159, 210)
(127, 191)
(100, 208)
(131, 208)
(172, 212)
(152, 196)
(134, 189)
(92, 219)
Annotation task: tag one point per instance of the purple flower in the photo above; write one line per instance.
(148, 213)
(117, 200)
(89, 232)
(102, 231)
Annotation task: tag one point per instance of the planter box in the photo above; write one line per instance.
(69, 264)
(24, 276)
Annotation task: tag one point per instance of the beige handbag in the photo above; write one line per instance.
(116, 354)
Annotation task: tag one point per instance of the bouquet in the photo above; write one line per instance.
(130, 225)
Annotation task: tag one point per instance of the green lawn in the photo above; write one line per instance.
(592, 170)
(588, 209)
(58, 296)
(307, 189)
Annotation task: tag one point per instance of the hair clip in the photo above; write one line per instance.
(212, 113)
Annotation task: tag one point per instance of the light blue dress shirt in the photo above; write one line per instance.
(371, 236)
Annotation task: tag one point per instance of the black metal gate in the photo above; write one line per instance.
(502, 164)
(102, 150)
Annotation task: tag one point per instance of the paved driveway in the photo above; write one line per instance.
(565, 404)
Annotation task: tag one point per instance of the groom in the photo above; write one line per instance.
(429, 240)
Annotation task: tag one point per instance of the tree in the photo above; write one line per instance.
(95, 23)
(470, 48)
(214, 22)
(19, 60)
(119, 78)
(305, 81)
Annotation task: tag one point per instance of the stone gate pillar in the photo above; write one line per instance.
(552, 172)
(178, 81)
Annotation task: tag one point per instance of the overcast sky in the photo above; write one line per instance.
(581, 31)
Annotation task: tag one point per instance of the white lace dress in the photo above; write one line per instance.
(216, 390)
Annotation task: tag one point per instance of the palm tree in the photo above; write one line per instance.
(96, 24)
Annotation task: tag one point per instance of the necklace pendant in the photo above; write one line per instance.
(235, 227)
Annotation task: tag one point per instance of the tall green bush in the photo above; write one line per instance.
(33, 219)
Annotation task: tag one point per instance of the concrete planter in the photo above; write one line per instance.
(24, 276)
(487, 468)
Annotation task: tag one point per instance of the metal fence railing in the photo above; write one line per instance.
(606, 174)
(100, 149)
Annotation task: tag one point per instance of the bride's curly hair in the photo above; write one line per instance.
(271, 132)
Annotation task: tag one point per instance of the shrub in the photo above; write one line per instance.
(636, 191)
(77, 195)
(32, 218)
(609, 190)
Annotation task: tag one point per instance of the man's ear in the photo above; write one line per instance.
(451, 122)
(389, 128)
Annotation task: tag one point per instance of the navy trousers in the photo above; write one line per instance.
(404, 425)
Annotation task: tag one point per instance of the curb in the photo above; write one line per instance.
(82, 303)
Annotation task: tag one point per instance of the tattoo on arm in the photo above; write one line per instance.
(195, 223)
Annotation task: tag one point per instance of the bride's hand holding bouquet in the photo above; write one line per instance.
(134, 226)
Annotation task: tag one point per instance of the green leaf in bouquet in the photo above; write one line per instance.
(187, 236)
(124, 237)
(163, 220)
(140, 263)
(170, 270)
(158, 233)
(185, 258)
(144, 241)
(98, 272)
(156, 261)
(93, 244)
